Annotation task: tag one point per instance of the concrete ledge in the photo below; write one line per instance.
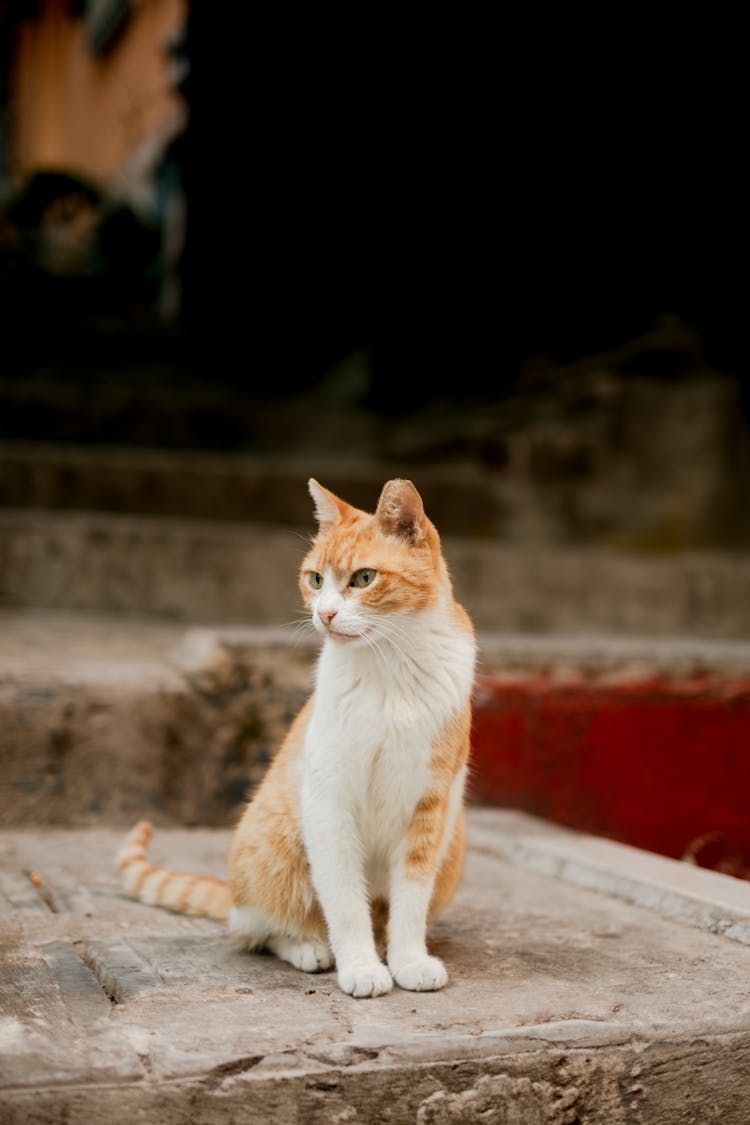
(210, 571)
(564, 1005)
(105, 719)
(709, 900)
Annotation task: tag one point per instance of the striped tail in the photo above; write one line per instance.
(157, 886)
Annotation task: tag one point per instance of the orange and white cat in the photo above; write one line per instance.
(359, 821)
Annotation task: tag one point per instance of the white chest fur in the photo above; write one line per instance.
(376, 716)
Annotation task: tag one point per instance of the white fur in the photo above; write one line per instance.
(381, 701)
(257, 930)
(326, 511)
(250, 924)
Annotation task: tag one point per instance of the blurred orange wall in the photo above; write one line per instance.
(89, 113)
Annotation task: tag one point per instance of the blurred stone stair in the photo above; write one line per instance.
(219, 571)
(204, 537)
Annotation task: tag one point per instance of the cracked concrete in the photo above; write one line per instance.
(566, 1005)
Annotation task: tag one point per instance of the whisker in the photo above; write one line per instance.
(373, 644)
(297, 623)
(390, 628)
(380, 634)
(391, 625)
(299, 627)
(400, 641)
(394, 634)
(308, 540)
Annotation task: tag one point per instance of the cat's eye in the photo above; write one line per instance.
(315, 579)
(362, 577)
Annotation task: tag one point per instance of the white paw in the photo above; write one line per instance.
(423, 974)
(311, 956)
(369, 979)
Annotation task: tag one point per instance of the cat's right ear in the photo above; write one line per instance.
(328, 508)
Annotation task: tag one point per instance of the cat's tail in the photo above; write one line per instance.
(158, 886)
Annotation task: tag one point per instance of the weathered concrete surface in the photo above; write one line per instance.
(108, 719)
(680, 891)
(565, 1006)
(212, 571)
(105, 718)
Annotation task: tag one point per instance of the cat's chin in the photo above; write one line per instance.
(342, 638)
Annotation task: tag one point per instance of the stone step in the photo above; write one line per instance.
(219, 571)
(110, 719)
(602, 452)
(233, 487)
(587, 984)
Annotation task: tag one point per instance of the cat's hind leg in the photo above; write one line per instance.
(257, 931)
(308, 954)
(251, 927)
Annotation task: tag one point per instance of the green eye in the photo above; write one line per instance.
(315, 579)
(362, 577)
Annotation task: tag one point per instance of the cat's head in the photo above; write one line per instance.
(365, 568)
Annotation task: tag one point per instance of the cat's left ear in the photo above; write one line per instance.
(400, 511)
(328, 508)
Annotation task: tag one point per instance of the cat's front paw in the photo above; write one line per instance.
(371, 978)
(422, 974)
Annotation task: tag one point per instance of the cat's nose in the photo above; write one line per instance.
(326, 615)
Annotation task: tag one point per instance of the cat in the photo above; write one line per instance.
(357, 830)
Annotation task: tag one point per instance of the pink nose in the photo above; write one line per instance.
(327, 616)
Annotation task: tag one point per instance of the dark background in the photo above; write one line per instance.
(471, 214)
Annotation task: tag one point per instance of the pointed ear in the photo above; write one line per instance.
(328, 508)
(400, 512)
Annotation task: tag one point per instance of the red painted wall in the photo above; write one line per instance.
(658, 763)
